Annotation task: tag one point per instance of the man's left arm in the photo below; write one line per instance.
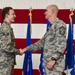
(60, 44)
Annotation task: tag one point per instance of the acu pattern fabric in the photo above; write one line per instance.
(7, 49)
(54, 44)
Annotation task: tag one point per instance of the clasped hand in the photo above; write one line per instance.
(22, 51)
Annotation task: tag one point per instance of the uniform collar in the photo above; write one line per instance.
(6, 23)
(54, 20)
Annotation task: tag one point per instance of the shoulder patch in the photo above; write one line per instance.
(62, 30)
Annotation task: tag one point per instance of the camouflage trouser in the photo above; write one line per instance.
(6, 70)
(48, 72)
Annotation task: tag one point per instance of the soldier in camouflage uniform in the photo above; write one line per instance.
(7, 44)
(53, 43)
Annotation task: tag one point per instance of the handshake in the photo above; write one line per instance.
(22, 51)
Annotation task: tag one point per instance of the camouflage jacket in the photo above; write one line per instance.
(7, 44)
(53, 43)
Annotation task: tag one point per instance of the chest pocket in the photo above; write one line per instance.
(50, 36)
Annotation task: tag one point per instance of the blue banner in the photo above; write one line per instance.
(27, 65)
(69, 59)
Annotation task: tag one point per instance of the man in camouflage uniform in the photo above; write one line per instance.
(7, 44)
(53, 42)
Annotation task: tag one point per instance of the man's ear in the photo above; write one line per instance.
(52, 11)
(6, 15)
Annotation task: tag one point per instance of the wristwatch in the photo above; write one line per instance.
(53, 58)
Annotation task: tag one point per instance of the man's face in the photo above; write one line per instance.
(48, 12)
(11, 16)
